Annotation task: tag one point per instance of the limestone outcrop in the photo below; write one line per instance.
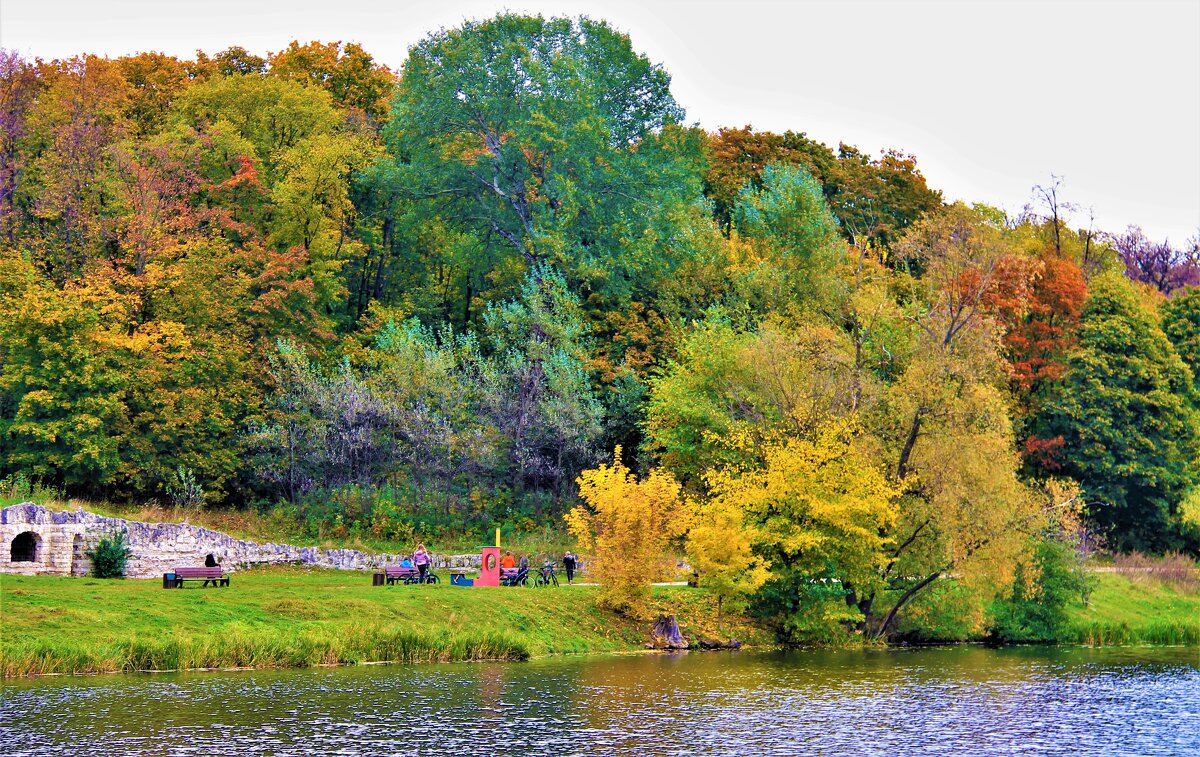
(39, 541)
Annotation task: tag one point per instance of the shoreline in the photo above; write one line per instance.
(296, 618)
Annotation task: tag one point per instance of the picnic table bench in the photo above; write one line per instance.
(216, 576)
(396, 573)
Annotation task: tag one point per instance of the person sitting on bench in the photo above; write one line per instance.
(210, 561)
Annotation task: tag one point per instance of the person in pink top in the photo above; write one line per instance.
(421, 561)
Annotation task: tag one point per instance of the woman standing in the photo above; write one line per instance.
(569, 564)
(421, 561)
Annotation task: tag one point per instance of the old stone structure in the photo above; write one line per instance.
(38, 541)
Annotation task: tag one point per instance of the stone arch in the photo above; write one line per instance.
(26, 547)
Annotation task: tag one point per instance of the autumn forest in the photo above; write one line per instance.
(511, 284)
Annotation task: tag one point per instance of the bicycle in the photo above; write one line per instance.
(547, 575)
(415, 578)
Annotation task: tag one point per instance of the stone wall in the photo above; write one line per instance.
(61, 539)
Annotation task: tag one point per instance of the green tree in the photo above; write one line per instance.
(109, 556)
(790, 217)
(553, 138)
(542, 399)
(347, 72)
(1127, 418)
(1181, 324)
(873, 199)
(61, 385)
(1044, 587)
(271, 114)
(877, 199)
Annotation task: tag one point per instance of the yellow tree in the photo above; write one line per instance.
(819, 508)
(627, 525)
(720, 547)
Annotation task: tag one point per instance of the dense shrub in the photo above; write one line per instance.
(109, 556)
(805, 612)
(1035, 611)
(951, 611)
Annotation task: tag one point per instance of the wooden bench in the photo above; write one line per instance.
(216, 576)
(396, 573)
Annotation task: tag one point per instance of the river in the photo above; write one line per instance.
(950, 700)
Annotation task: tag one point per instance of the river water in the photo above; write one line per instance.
(951, 701)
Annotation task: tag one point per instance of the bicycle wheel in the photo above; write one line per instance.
(432, 578)
(554, 578)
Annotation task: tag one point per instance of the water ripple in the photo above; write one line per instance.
(957, 701)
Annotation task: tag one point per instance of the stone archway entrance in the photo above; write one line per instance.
(25, 547)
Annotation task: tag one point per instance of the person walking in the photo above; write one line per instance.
(569, 565)
(421, 561)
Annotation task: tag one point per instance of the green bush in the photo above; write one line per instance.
(17, 488)
(950, 611)
(109, 556)
(1036, 609)
(185, 491)
(803, 611)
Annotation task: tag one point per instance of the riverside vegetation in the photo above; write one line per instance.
(291, 617)
(510, 285)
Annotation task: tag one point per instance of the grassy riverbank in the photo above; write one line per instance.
(1124, 610)
(291, 617)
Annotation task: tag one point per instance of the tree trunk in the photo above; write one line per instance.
(666, 635)
(909, 443)
(886, 623)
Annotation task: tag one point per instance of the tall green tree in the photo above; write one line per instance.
(1130, 429)
(552, 137)
(789, 216)
(1181, 324)
(61, 385)
(542, 399)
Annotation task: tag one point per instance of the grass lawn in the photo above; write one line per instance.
(1143, 611)
(295, 617)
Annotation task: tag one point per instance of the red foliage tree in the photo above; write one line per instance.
(1037, 301)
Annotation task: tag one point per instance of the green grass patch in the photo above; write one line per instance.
(1121, 611)
(295, 617)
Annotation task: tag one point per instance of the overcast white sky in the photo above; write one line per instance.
(992, 97)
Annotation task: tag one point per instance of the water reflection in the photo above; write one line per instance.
(962, 701)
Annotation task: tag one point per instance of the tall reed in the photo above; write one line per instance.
(239, 646)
